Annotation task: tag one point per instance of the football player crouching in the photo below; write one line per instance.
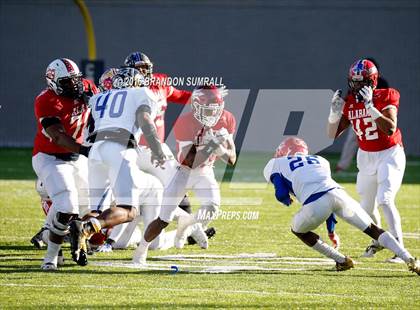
(308, 178)
(203, 135)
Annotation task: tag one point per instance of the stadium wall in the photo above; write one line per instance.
(252, 45)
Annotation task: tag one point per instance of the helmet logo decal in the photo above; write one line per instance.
(68, 65)
(50, 73)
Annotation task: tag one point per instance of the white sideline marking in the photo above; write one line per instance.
(193, 268)
(241, 255)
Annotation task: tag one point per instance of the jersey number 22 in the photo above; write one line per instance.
(299, 161)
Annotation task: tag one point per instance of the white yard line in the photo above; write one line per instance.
(409, 235)
(230, 268)
(241, 255)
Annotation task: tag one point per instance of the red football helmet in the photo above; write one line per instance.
(207, 104)
(362, 73)
(291, 146)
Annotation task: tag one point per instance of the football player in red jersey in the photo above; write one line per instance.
(381, 160)
(61, 112)
(203, 136)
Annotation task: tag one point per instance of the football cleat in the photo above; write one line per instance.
(394, 260)
(414, 265)
(372, 249)
(105, 248)
(210, 232)
(49, 267)
(199, 235)
(60, 259)
(37, 239)
(346, 265)
(78, 237)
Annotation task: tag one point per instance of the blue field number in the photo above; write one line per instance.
(299, 161)
(117, 104)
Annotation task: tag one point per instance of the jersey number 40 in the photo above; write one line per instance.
(117, 103)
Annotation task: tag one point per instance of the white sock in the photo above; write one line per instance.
(328, 251)
(52, 253)
(140, 254)
(389, 242)
(393, 219)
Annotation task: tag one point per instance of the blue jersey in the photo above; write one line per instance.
(304, 176)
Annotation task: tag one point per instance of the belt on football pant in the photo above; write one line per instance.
(65, 156)
(120, 135)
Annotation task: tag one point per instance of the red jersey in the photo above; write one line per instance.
(188, 130)
(165, 93)
(72, 113)
(370, 137)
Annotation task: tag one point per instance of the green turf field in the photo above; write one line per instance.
(251, 263)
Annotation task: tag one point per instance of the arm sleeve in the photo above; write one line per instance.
(282, 190)
(331, 221)
(232, 124)
(177, 95)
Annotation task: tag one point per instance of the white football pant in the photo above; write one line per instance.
(379, 179)
(336, 201)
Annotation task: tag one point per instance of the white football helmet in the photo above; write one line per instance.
(64, 78)
(207, 104)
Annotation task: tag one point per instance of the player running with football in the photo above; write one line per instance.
(372, 113)
(202, 136)
(308, 178)
(118, 115)
(61, 112)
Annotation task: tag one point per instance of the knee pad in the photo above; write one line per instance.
(60, 223)
(66, 202)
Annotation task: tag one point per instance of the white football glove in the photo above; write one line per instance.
(219, 137)
(222, 134)
(337, 104)
(223, 91)
(367, 94)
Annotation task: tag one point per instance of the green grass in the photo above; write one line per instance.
(372, 284)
